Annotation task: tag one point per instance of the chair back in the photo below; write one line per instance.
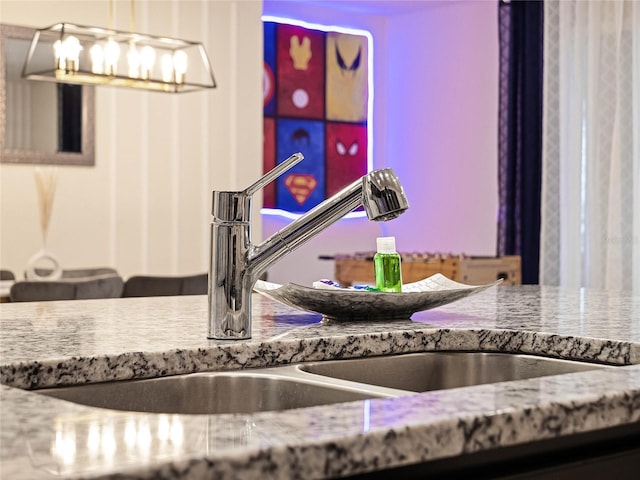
(7, 275)
(78, 272)
(102, 286)
(156, 286)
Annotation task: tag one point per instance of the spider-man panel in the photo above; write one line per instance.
(346, 152)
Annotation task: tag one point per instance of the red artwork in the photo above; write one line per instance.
(346, 153)
(268, 84)
(301, 72)
(269, 161)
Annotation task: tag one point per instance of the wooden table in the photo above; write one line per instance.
(358, 268)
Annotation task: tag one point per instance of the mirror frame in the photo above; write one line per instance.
(17, 156)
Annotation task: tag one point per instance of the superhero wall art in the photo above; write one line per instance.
(316, 102)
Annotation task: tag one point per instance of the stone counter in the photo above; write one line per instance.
(61, 343)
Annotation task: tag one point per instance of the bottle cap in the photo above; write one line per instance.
(386, 244)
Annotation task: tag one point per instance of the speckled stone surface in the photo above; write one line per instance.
(61, 343)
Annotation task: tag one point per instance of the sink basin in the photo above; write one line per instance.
(213, 393)
(313, 383)
(421, 372)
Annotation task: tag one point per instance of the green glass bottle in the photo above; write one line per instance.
(387, 265)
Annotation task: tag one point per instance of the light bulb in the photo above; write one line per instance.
(111, 55)
(147, 59)
(133, 60)
(180, 65)
(167, 68)
(97, 59)
(57, 52)
(71, 52)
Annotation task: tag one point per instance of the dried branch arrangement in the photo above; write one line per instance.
(46, 179)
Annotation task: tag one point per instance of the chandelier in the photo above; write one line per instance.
(69, 53)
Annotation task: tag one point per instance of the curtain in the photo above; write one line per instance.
(590, 232)
(520, 133)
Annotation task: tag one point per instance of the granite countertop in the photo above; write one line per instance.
(61, 343)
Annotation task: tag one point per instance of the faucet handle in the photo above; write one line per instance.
(236, 206)
(274, 173)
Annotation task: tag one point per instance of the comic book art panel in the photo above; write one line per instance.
(269, 69)
(316, 101)
(269, 161)
(300, 72)
(346, 154)
(347, 86)
(303, 186)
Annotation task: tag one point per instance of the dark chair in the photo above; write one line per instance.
(7, 275)
(79, 272)
(102, 286)
(154, 286)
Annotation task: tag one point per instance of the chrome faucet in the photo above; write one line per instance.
(236, 264)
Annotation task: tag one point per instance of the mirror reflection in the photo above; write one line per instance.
(43, 122)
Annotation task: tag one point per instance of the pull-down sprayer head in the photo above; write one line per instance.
(382, 195)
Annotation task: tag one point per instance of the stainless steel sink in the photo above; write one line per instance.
(216, 392)
(421, 372)
(315, 383)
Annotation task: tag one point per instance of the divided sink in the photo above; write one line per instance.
(314, 383)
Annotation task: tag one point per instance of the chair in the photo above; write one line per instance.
(102, 286)
(79, 272)
(155, 286)
(7, 275)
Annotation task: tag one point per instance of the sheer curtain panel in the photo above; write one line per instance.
(590, 232)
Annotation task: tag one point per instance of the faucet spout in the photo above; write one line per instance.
(236, 264)
(380, 192)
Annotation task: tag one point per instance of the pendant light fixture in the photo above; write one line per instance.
(69, 53)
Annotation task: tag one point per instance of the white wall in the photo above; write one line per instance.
(435, 124)
(443, 126)
(145, 206)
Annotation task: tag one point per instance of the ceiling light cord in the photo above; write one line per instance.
(131, 16)
(110, 14)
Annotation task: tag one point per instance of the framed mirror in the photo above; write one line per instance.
(41, 122)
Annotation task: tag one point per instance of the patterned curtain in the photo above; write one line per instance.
(591, 185)
(520, 133)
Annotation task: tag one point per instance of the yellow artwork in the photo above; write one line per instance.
(347, 78)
